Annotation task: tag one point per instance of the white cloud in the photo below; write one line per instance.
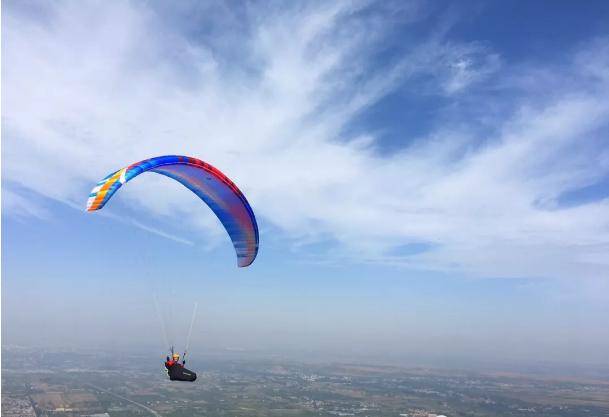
(469, 67)
(92, 87)
(22, 207)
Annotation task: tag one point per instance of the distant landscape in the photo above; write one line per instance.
(66, 383)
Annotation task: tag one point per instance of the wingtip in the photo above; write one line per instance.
(245, 264)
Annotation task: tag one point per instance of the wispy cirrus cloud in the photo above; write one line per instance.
(88, 88)
(22, 207)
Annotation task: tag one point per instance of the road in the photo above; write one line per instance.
(150, 410)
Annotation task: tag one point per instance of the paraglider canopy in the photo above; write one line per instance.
(208, 183)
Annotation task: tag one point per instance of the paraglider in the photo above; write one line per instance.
(217, 191)
(208, 183)
(176, 370)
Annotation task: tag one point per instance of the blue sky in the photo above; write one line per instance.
(430, 178)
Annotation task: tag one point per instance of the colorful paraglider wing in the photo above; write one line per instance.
(207, 182)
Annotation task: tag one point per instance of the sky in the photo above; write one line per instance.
(430, 178)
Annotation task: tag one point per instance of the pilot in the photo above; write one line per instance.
(174, 360)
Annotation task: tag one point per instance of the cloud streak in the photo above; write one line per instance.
(87, 89)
